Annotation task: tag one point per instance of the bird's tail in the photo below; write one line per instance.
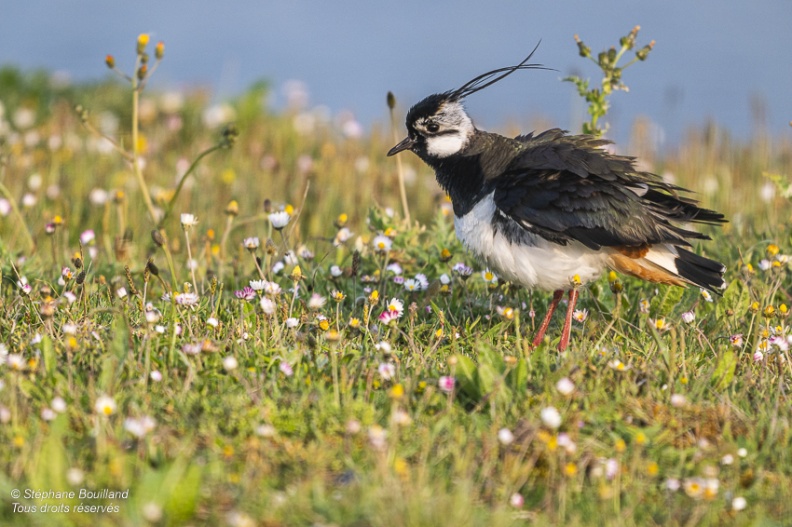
(699, 270)
(671, 264)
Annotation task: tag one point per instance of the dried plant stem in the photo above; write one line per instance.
(169, 207)
(135, 160)
(4, 191)
(400, 172)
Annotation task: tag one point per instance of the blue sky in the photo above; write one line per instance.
(712, 58)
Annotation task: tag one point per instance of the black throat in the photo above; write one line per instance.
(463, 178)
(464, 175)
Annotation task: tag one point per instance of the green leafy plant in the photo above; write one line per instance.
(608, 62)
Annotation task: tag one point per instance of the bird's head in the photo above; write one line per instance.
(439, 127)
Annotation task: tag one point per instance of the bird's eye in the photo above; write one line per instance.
(432, 127)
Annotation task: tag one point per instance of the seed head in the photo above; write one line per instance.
(355, 263)
(229, 135)
(583, 49)
(152, 268)
(642, 53)
(159, 50)
(156, 237)
(82, 113)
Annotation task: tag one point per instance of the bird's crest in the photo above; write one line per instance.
(491, 77)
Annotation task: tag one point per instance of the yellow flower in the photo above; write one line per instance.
(769, 311)
(397, 391)
(390, 232)
(401, 468)
(570, 469)
(612, 276)
(142, 42)
(105, 405)
(374, 297)
(324, 324)
(289, 209)
(754, 307)
(711, 486)
(296, 273)
(694, 487)
(228, 176)
(506, 312)
(645, 305)
(659, 324)
(575, 280)
(652, 469)
(354, 322)
(232, 209)
(338, 296)
(341, 220)
(620, 445)
(772, 250)
(640, 438)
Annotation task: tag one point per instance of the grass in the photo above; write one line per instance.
(307, 409)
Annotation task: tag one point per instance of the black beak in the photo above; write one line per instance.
(406, 144)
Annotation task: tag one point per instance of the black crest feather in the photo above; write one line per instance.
(491, 77)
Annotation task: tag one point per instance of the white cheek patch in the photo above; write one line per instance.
(445, 145)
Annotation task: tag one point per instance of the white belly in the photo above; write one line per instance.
(544, 265)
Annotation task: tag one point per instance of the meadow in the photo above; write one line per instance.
(260, 337)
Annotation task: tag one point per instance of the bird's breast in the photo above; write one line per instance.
(529, 259)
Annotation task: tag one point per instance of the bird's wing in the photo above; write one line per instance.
(567, 188)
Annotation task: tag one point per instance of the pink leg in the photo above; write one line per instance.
(573, 297)
(546, 322)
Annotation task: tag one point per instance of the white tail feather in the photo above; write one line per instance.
(663, 257)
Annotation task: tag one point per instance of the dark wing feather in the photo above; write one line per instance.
(567, 188)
